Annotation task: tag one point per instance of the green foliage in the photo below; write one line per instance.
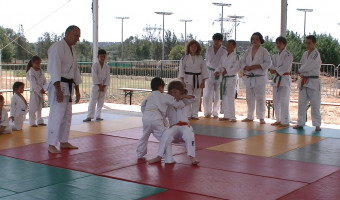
(295, 45)
(84, 50)
(20, 73)
(7, 53)
(177, 52)
(329, 49)
(269, 45)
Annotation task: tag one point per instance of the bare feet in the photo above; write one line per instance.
(207, 116)
(297, 127)
(233, 120)
(262, 121)
(34, 125)
(42, 124)
(276, 124)
(53, 149)
(317, 128)
(215, 116)
(87, 119)
(99, 119)
(195, 118)
(223, 119)
(284, 125)
(155, 160)
(246, 120)
(67, 145)
(194, 161)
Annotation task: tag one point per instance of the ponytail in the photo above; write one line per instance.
(33, 59)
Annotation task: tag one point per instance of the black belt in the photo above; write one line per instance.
(69, 82)
(194, 78)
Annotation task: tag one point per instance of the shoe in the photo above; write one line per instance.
(99, 119)
(87, 119)
(42, 124)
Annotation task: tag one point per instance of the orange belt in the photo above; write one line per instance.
(180, 123)
(304, 79)
(280, 77)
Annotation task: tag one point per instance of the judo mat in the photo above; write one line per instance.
(238, 161)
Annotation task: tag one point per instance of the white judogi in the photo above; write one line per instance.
(37, 79)
(193, 69)
(19, 109)
(310, 91)
(4, 121)
(255, 81)
(100, 76)
(61, 63)
(231, 63)
(282, 63)
(211, 92)
(178, 132)
(154, 109)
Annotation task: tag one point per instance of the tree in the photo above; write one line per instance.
(295, 45)
(8, 51)
(329, 49)
(177, 52)
(269, 45)
(84, 50)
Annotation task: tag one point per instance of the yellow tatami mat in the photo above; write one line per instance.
(108, 125)
(255, 125)
(30, 135)
(267, 145)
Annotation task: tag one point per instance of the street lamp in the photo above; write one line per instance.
(163, 13)
(122, 18)
(185, 29)
(304, 10)
(222, 5)
(235, 19)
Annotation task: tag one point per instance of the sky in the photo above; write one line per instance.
(54, 16)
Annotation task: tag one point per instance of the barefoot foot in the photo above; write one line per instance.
(194, 161)
(155, 160)
(67, 145)
(53, 149)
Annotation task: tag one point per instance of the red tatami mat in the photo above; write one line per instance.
(208, 182)
(173, 195)
(38, 152)
(261, 166)
(327, 188)
(107, 159)
(133, 133)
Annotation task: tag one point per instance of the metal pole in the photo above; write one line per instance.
(185, 33)
(283, 31)
(0, 70)
(122, 38)
(163, 40)
(222, 21)
(95, 29)
(235, 28)
(304, 27)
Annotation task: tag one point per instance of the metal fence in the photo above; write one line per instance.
(138, 74)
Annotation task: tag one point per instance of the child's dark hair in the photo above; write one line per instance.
(177, 85)
(156, 82)
(217, 36)
(233, 42)
(101, 52)
(33, 59)
(16, 85)
(282, 40)
(311, 37)
(260, 37)
(2, 97)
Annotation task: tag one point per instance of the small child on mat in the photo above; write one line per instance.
(19, 106)
(4, 121)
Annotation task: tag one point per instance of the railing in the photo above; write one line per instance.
(138, 74)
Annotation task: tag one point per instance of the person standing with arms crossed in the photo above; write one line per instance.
(309, 85)
(211, 92)
(65, 75)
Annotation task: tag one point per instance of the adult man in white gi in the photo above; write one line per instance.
(255, 64)
(65, 75)
(281, 67)
(230, 68)
(309, 85)
(211, 92)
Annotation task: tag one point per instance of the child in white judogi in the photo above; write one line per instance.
(281, 67)
(100, 82)
(19, 107)
(154, 111)
(211, 91)
(193, 73)
(255, 64)
(36, 76)
(309, 85)
(4, 121)
(179, 130)
(230, 68)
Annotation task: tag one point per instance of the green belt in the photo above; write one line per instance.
(251, 75)
(212, 69)
(223, 85)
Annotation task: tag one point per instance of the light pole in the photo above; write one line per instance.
(163, 13)
(304, 10)
(235, 19)
(222, 5)
(185, 30)
(122, 18)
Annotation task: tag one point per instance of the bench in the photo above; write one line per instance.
(130, 91)
(10, 90)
